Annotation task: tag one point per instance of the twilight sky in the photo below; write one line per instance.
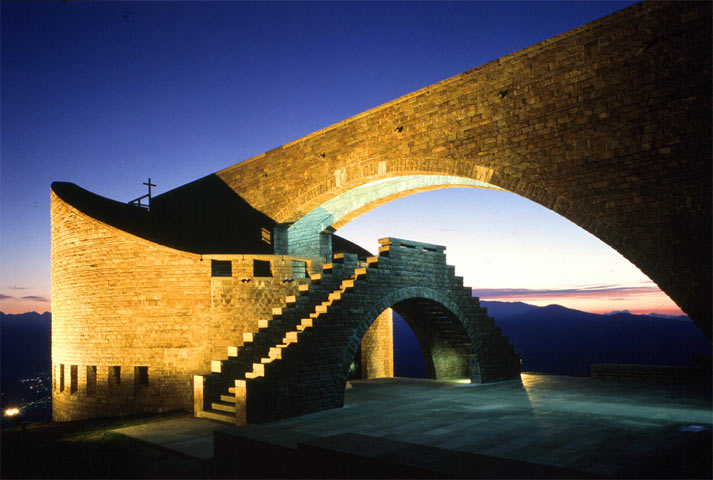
(105, 95)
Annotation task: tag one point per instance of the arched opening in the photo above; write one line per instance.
(444, 343)
(409, 361)
(513, 250)
(445, 330)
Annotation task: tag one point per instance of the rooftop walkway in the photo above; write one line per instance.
(581, 426)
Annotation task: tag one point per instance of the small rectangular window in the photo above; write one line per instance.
(73, 380)
(299, 269)
(91, 380)
(141, 378)
(221, 268)
(114, 379)
(261, 268)
(61, 377)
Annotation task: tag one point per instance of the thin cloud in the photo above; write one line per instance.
(6, 297)
(577, 292)
(15, 287)
(36, 298)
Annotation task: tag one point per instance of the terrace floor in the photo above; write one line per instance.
(602, 428)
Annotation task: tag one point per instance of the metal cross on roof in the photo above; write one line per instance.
(137, 201)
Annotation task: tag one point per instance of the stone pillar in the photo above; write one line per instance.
(377, 347)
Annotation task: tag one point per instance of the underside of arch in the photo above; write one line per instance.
(445, 344)
(309, 235)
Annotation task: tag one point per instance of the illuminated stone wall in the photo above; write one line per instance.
(156, 313)
(608, 125)
(120, 301)
(377, 347)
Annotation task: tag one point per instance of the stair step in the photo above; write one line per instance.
(306, 322)
(223, 407)
(315, 278)
(290, 337)
(359, 272)
(228, 398)
(320, 309)
(327, 267)
(221, 417)
(247, 337)
(290, 299)
(276, 311)
(259, 369)
(338, 258)
(262, 324)
(216, 366)
(372, 262)
(347, 284)
(232, 351)
(303, 288)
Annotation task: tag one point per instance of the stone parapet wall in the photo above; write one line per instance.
(651, 373)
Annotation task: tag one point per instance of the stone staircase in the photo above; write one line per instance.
(248, 361)
(293, 363)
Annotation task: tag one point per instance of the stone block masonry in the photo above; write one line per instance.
(134, 321)
(608, 125)
(298, 363)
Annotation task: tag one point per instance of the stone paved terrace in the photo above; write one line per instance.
(596, 427)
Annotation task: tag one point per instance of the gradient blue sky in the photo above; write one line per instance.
(107, 94)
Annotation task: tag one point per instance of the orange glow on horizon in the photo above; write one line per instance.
(600, 302)
(13, 306)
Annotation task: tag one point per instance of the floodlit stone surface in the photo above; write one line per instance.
(608, 125)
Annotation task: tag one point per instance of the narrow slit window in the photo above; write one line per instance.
(73, 378)
(91, 380)
(262, 268)
(114, 378)
(61, 377)
(221, 268)
(141, 378)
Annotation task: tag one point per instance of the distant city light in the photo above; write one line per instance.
(11, 412)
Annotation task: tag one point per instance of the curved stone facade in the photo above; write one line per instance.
(133, 321)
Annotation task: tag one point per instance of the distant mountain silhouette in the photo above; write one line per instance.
(559, 340)
(501, 310)
(551, 339)
(25, 343)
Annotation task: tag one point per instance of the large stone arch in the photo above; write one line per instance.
(434, 347)
(609, 125)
